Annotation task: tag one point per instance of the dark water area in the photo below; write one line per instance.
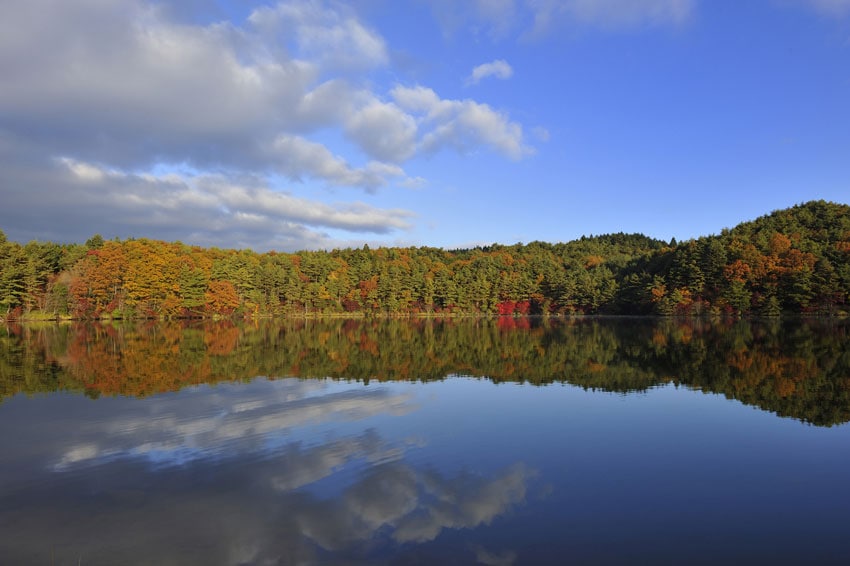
(496, 442)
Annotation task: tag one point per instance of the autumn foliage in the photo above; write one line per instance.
(791, 261)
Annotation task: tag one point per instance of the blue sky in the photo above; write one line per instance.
(317, 124)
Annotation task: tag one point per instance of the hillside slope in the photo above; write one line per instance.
(795, 260)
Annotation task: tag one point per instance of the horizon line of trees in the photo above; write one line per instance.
(795, 260)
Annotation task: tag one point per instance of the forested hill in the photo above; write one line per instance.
(795, 260)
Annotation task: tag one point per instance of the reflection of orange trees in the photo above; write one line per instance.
(752, 369)
(794, 369)
(137, 362)
(145, 359)
(221, 339)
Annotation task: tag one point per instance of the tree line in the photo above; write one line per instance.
(795, 260)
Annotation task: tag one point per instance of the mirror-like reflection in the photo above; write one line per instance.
(796, 369)
(356, 442)
(273, 472)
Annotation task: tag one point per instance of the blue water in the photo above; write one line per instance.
(461, 471)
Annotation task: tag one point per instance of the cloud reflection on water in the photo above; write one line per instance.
(216, 422)
(241, 484)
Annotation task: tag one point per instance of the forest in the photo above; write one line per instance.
(792, 261)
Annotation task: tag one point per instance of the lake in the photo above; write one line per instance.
(469, 441)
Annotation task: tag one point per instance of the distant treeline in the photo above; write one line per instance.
(795, 260)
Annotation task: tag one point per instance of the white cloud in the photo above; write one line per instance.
(461, 124)
(131, 89)
(274, 206)
(333, 37)
(115, 83)
(84, 171)
(499, 69)
(119, 83)
(296, 157)
(122, 86)
(73, 199)
(383, 130)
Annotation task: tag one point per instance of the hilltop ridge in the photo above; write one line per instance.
(794, 260)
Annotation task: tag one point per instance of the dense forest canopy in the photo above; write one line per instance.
(795, 260)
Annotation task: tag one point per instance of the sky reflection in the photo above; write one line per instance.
(269, 472)
(216, 422)
(463, 471)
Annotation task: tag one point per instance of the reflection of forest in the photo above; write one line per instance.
(794, 368)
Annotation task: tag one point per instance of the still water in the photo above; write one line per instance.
(427, 442)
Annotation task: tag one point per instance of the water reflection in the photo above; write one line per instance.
(319, 443)
(795, 368)
(205, 423)
(284, 471)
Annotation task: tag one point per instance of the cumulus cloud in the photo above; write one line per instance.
(384, 131)
(297, 157)
(128, 88)
(499, 69)
(110, 91)
(461, 124)
(332, 37)
(120, 84)
(73, 199)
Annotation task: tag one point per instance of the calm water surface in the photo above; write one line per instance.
(468, 442)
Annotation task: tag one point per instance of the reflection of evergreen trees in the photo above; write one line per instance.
(797, 369)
